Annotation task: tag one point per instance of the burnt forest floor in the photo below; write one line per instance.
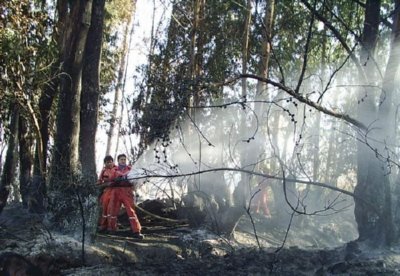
(176, 249)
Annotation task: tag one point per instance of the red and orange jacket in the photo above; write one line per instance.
(122, 172)
(107, 175)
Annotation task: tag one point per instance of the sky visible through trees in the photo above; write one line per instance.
(138, 55)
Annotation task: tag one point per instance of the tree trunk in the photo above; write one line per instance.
(242, 190)
(388, 110)
(9, 165)
(37, 186)
(91, 92)
(46, 101)
(65, 169)
(65, 157)
(266, 45)
(375, 220)
(330, 155)
(196, 51)
(262, 72)
(114, 122)
(245, 46)
(123, 86)
(25, 160)
(366, 113)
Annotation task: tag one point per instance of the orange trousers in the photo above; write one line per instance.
(261, 202)
(119, 196)
(104, 201)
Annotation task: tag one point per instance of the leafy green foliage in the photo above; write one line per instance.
(170, 83)
(26, 52)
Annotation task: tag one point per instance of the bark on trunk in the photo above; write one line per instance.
(45, 104)
(65, 165)
(9, 165)
(375, 224)
(25, 160)
(91, 92)
(47, 98)
(65, 176)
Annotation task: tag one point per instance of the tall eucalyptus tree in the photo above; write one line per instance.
(65, 162)
(373, 195)
(90, 95)
(377, 224)
(65, 171)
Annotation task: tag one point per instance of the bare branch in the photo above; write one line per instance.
(146, 174)
(314, 183)
(303, 99)
(306, 49)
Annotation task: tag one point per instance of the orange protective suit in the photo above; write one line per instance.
(119, 196)
(261, 201)
(106, 175)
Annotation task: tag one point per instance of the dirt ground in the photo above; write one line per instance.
(26, 245)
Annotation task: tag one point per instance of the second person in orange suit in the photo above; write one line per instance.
(123, 194)
(106, 177)
(261, 200)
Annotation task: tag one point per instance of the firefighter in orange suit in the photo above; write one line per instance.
(107, 175)
(123, 194)
(261, 200)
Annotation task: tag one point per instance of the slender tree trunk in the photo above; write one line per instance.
(91, 92)
(386, 115)
(242, 190)
(193, 99)
(266, 45)
(317, 126)
(8, 172)
(245, 46)
(196, 50)
(45, 104)
(25, 160)
(262, 91)
(113, 133)
(37, 191)
(242, 193)
(330, 156)
(46, 101)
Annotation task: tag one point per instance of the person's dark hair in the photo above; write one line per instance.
(108, 158)
(121, 155)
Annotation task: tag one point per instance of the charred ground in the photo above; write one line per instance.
(172, 247)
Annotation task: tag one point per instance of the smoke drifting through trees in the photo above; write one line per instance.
(284, 133)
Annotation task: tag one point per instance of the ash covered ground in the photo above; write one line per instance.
(259, 246)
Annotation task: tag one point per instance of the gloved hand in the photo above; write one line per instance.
(112, 184)
(120, 178)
